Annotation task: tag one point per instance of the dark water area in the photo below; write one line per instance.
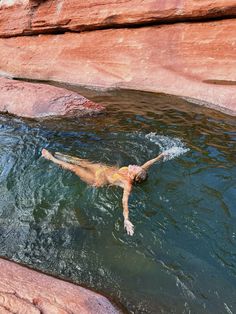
(182, 257)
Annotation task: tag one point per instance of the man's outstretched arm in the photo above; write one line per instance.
(127, 224)
(149, 163)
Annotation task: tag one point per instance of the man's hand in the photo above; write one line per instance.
(129, 227)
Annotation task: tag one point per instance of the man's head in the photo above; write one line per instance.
(137, 173)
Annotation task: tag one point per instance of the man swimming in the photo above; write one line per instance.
(98, 174)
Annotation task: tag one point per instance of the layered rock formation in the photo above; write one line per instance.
(20, 17)
(23, 290)
(40, 100)
(193, 60)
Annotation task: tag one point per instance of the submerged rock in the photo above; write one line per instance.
(41, 100)
(23, 290)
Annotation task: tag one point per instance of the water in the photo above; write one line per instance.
(182, 257)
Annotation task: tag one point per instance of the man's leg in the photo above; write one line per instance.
(93, 167)
(83, 173)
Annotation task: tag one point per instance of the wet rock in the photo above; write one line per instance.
(37, 16)
(195, 61)
(41, 100)
(23, 290)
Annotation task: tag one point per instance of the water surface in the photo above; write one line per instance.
(182, 257)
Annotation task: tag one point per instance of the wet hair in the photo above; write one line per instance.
(141, 176)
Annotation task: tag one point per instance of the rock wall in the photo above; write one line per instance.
(183, 47)
(162, 59)
(24, 17)
(25, 291)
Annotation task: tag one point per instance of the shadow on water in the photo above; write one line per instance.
(182, 257)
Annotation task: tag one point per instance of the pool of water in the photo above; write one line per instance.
(182, 257)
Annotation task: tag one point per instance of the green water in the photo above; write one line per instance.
(182, 257)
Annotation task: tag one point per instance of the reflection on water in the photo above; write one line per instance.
(182, 258)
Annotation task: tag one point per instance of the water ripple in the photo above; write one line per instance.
(182, 256)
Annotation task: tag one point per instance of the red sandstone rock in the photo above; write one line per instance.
(196, 61)
(40, 100)
(23, 290)
(32, 16)
(14, 17)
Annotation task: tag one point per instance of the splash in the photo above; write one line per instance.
(172, 146)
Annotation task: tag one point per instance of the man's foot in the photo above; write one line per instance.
(129, 227)
(46, 154)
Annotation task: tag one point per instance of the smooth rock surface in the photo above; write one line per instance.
(196, 61)
(25, 291)
(41, 100)
(19, 17)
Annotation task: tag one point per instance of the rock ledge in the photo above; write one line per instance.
(33, 100)
(25, 291)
